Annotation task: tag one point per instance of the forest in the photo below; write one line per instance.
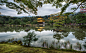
(78, 18)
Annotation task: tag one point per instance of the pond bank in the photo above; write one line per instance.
(12, 48)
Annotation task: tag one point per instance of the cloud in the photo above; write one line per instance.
(10, 12)
(46, 9)
(72, 6)
(9, 35)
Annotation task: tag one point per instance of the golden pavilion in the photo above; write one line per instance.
(40, 20)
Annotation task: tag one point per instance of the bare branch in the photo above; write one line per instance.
(77, 7)
(83, 3)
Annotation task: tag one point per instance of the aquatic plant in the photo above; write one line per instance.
(53, 42)
(19, 42)
(44, 44)
(80, 47)
(71, 46)
(8, 40)
(47, 45)
(84, 45)
(51, 46)
(65, 45)
(59, 47)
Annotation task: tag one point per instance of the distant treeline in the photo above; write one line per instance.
(17, 21)
(20, 21)
(78, 18)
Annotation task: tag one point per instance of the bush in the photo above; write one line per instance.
(82, 26)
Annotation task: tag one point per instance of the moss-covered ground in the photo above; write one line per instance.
(13, 48)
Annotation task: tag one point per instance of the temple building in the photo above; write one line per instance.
(41, 24)
(40, 20)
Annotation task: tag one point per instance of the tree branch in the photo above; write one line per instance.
(83, 3)
(77, 7)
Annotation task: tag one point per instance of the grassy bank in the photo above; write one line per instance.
(12, 48)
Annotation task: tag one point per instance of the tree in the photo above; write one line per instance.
(85, 45)
(6, 22)
(23, 23)
(80, 18)
(35, 22)
(10, 21)
(57, 3)
(24, 5)
(67, 20)
(24, 20)
(1, 22)
(31, 5)
(17, 21)
(58, 20)
(60, 36)
(80, 35)
(51, 22)
(29, 38)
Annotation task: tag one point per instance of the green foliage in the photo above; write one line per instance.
(71, 46)
(17, 21)
(25, 5)
(1, 22)
(52, 47)
(10, 21)
(84, 45)
(73, 8)
(64, 8)
(50, 21)
(22, 23)
(58, 4)
(80, 35)
(79, 18)
(58, 20)
(29, 38)
(24, 20)
(35, 22)
(67, 20)
(31, 5)
(6, 22)
(59, 23)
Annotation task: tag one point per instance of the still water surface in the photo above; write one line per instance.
(47, 34)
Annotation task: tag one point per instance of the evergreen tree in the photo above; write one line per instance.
(29, 38)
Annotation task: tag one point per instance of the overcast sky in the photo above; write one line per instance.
(46, 9)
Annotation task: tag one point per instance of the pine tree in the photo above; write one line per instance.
(29, 38)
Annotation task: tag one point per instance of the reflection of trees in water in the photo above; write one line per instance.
(80, 35)
(85, 45)
(5, 29)
(29, 38)
(65, 34)
(17, 29)
(60, 36)
(57, 36)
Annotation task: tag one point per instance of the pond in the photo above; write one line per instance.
(45, 33)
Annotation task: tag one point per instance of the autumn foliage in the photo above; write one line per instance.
(58, 20)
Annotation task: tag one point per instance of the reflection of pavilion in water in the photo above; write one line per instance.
(39, 28)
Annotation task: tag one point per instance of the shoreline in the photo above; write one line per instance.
(16, 48)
